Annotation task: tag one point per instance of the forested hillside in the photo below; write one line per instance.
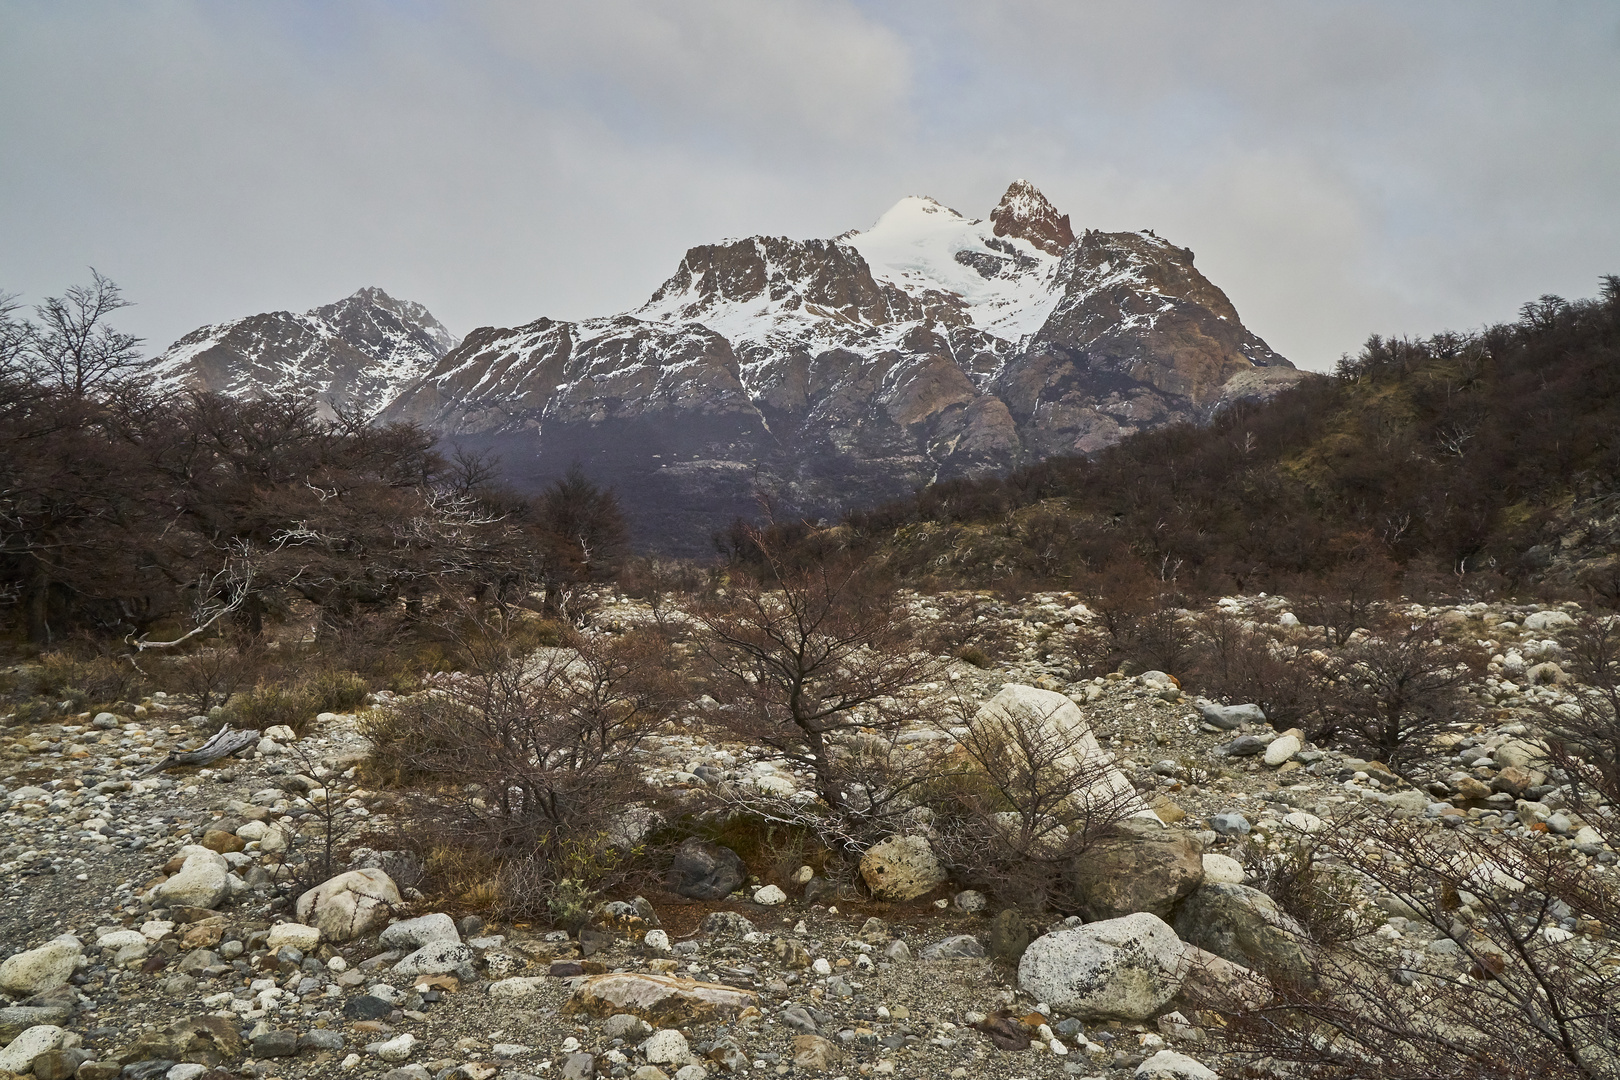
(1482, 460)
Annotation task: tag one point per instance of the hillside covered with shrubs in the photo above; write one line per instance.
(1486, 461)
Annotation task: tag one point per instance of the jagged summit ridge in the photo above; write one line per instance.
(849, 370)
(1025, 213)
(356, 354)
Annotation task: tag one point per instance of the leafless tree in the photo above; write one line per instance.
(1386, 688)
(816, 665)
(74, 347)
(531, 758)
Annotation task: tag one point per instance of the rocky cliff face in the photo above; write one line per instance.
(825, 373)
(356, 354)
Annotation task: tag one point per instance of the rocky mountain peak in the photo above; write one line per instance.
(1024, 213)
(354, 354)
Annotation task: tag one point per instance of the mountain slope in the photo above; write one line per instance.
(356, 354)
(830, 373)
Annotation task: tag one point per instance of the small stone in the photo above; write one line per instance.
(1223, 870)
(897, 951)
(770, 896)
(666, 1047)
(813, 1053)
(960, 947)
(274, 1044)
(435, 958)
(1230, 823)
(578, 1067)
(396, 1049)
(367, 1007)
(301, 937)
(423, 930)
(657, 941)
(625, 1026)
(970, 901)
(1281, 749)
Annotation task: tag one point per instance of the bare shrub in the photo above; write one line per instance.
(530, 758)
(88, 675)
(1023, 796)
(1586, 734)
(1387, 689)
(817, 666)
(1238, 662)
(209, 674)
(1518, 996)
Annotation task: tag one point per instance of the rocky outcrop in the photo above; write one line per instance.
(1023, 212)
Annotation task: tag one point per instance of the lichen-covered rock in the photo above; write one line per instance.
(346, 906)
(1247, 927)
(37, 970)
(1137, 865)
(901, 868)
(19, 1054)
(1117, 969)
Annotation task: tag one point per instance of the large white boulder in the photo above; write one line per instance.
(37, 970)
(350, 904)
(1116, 969)
(202, 881)
(1016, 707)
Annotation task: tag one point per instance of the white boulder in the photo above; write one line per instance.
(301, 937)
(37, 970)
(201, 881)
(19, 1054)
(420, 931)
(1116, 969)
(350, 904)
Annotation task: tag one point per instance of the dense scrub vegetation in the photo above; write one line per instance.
(1436, 464)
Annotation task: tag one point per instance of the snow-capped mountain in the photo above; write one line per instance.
(356, 354)
(826, 373)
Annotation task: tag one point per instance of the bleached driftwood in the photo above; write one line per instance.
(224, 743)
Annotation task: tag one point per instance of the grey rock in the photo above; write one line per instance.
(726, 924)
(1117, 969)
(422, 930)
(1230, 823)
(795, 1017)
(1231, 717)
(1137, 865)
(274, 1044)
(321, 1039)
(1245, 926)
(1244, 746)
(579, 1067)
(959, 947)
(705, 871)
(1010, 935)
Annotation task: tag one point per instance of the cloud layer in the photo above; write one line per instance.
(1340, 168)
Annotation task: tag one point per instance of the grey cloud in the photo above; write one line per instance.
(1340, 168)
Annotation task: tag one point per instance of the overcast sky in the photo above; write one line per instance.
(1340, 168)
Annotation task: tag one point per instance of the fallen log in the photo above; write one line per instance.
(224, 743)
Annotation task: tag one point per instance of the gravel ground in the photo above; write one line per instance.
(85, 836)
